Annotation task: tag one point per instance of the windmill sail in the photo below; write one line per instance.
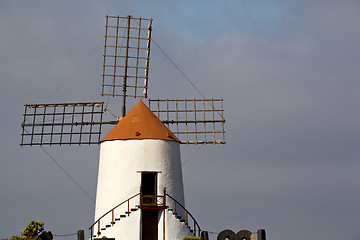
(126, 74)
(193, 121)
(62, 123)
(126, 56)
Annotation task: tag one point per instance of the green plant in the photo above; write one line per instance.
(30, 232)
(192, 238)
(33, 229)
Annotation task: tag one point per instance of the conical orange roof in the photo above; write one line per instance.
(140, 123)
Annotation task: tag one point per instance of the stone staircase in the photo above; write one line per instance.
(97, 229)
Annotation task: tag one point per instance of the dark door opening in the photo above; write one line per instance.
(149, 223)
(149, 217)
(149, 188)
(148, 183)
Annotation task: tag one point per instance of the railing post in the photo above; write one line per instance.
(141, 198)
(112, 217)
(205, 235)
(98, 228)
(186, 219)
(80, 235)
(128, 211)
(194, 228)
(261, 234)
(91, 232)
(164, 201)
(175, 208)
(164, 222)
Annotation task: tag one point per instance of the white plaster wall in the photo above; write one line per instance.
(118, 177)
(126, 228)
(174, 229)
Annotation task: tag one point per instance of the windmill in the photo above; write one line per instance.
(139, 166)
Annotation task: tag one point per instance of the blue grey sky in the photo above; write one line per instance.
(289, 75)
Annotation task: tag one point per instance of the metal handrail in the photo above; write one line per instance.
(112, 212)
(151, 200)
(198, 230)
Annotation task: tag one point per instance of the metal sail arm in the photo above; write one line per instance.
(193, 121)
(126, 57)
(63, 123)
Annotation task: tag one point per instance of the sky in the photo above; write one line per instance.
(288, 72)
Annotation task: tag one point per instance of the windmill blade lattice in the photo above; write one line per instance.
(193, 121)
(62, 123)
(126, 56)
(126, 74)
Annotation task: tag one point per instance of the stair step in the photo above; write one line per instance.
(170, 209)
(178, 217)
(113, 223)
(127, 212)
(134, 209)
(108, 225)
(103, 229)
(122, 216)
(182, 220)
(117, 219)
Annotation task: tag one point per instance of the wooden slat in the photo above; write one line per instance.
(190, 119)
(63, 123)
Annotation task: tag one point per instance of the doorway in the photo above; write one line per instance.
(149, 188)
(149, 213)
(149, 183)
(149, 223)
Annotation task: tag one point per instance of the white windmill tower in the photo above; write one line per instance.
(140, 152)
(140, 188)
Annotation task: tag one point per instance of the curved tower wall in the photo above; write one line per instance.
(119, 178)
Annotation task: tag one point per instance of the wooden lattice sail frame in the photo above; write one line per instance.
(126, 57)
(193, 121)
(125, 74)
